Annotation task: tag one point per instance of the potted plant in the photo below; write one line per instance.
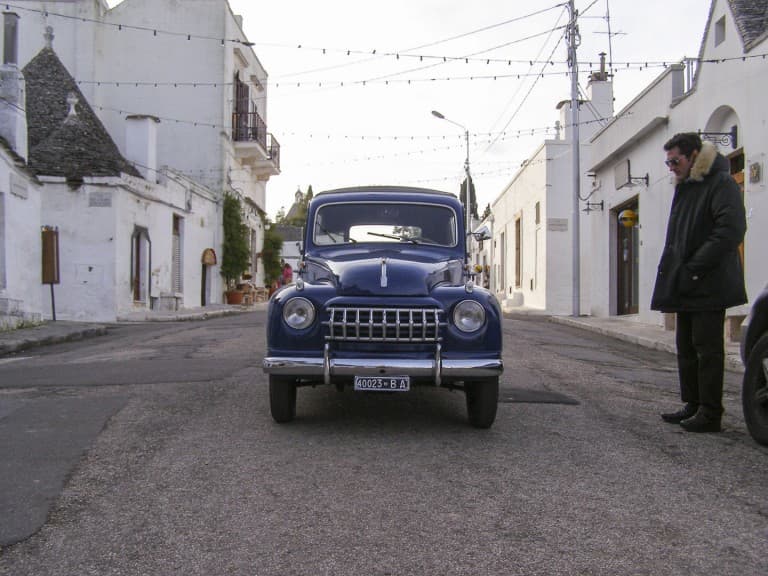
(235, 248)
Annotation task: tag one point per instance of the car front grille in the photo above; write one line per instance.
(383, 324)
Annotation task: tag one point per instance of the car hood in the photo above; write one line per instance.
(386, 274)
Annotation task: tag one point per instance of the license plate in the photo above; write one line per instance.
(383, 383)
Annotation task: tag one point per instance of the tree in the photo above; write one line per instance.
(235, 248)
(270, 253)
(472, 197)
(487, 211)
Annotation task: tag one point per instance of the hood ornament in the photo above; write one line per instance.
(383, 272)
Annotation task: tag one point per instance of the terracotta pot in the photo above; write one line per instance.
(234, 296)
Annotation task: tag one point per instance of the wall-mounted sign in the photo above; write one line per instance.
(209, 257)
(755, 172)
(557, 224)
(627, 218)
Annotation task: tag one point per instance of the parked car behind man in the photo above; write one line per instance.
(754, 354)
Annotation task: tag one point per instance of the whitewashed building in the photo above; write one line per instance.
(532, 246)
(125, 242)
(177, 90)
(721, 95)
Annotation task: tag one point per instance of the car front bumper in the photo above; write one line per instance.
(436, 368)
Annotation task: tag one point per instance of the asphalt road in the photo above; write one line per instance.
(170, 464)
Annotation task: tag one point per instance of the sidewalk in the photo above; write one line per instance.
(645, 335)
(49, 332)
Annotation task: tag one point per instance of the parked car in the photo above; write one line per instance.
(754, 354)
(383, 302)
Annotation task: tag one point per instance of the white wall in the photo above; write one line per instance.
(727, 92)
(20, 246)
(97, 222)
(636, 134)
(86, 221)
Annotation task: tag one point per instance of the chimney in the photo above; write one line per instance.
(141, 144)
(600, 93)
(13, 116)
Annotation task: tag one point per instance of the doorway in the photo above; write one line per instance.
(627, 257)
(140, 264)
(208, 260)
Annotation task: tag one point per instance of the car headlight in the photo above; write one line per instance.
(469, 316)
(298, 313)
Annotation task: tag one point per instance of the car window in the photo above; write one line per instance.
(365, 222)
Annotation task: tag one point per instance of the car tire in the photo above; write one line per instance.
(482, 401)
(282, 398)
(754, 391)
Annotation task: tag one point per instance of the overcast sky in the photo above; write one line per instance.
(353, 104)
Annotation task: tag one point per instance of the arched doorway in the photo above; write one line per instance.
(208, 259)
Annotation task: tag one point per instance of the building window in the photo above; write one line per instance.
(720, 31)
(177, 267)
(10, 38)
(537, 217)
(2, 241)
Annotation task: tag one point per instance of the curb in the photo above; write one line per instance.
(183, 316)
(72, 336)
(732, 360)
(644, 341)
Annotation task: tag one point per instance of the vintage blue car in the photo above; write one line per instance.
(384, 301)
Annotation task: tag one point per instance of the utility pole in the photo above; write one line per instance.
(573, 43)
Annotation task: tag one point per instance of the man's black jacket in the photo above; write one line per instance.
(700, 267)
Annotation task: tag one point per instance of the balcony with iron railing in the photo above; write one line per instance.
(254, 146)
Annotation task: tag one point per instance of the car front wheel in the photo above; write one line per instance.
(754, 391)
(482, 400)
(282, 398)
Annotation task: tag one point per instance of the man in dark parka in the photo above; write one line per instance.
(700, 274)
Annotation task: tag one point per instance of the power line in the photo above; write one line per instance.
(509, 103)
(120, 26)
(459, 58)
(407, 52)
(525, 98)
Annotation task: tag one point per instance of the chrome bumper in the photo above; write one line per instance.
(436, 368)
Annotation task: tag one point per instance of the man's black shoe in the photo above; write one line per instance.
(687, 411)
(702, 422)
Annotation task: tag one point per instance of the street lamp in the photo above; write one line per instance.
(467, 210)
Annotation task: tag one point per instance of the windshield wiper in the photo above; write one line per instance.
(328, 233)
(396, 237)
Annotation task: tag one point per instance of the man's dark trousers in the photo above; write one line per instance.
(701, 359)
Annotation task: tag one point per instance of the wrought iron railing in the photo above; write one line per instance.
(249, 127)
(274, 151)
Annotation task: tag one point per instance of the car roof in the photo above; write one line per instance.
(385, 190)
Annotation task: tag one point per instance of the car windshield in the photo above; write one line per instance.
(359, 222)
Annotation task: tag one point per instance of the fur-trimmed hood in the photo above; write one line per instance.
(704, 162)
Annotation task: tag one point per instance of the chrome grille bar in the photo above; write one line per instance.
(351, 324)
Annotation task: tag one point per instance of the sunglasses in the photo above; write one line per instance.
(672, 161)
